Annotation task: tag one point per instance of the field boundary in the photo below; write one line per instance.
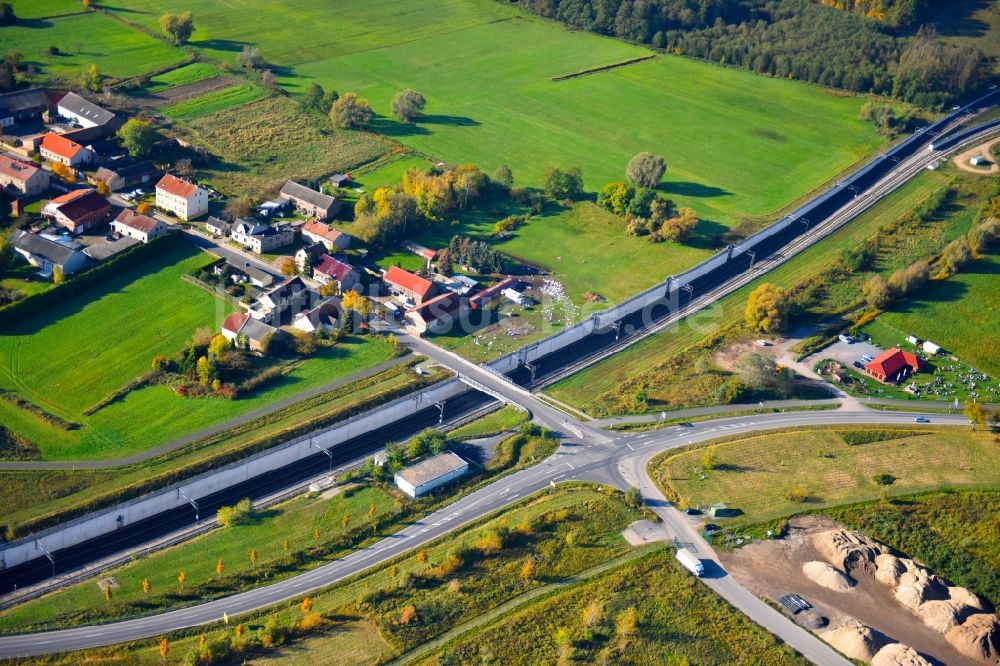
(602, 68)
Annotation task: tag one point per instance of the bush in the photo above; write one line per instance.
(797, 494)
(884, 479)
(238, 514)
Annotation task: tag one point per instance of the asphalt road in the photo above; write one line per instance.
(616, 460)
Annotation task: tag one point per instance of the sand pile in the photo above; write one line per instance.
(964, 596)
(856, 640)
(897, 654)
(977, 638)
(888, 569)
(941, 616)
(917, 585)
(848, 550)
(823, 574)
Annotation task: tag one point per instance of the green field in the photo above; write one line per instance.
(114, 330)
(37, 9)
(598, 387)
(736, 144)
(119, 51)
(755, 474)
(215, 101)
(196, 71)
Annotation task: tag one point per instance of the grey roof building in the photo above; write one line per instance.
(84, 112)
(423, 477)
(47, 254)
(22, 105)
(311, 202)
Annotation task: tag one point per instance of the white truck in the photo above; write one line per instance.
(690, 562)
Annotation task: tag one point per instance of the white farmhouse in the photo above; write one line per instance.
(180, 197)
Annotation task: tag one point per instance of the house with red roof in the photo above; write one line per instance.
(319, 232)
(78, 210)
(59, 149)
(408, 286)
(893, 366)
(25, 177)
(181, 197)
(136, 225)
(328, 270)
(241, 324)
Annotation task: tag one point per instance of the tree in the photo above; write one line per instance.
(219, 344)
(616, 197)
(907, 280)
(957, 254)
(138, 137)
(181, 579)
(422, 556)
(646, 170)
(407, 105)
(7, 16)
(205, 370)
(764, 374)
(767, 309)
(269, 80)
(528, 569)
(633, 497)
(108, 593)
(103, 189)
(220, 566)
(345, 521)
(164, 649)
(285, 547)
(58, 277)
(250, 58)
(371, 510)
(680, 227)
(143, 208)
(312, 99)
(287, 266)
(408, 615)
(91, 79)
(880, 115)
(306, 605)
(563, 183)
(626, 625)
(975, 413)
(503, 176)
(592, 613)
(316, 535)
(253, 556)
(178, 26)
(184, 167)
(877, 292)
(237, 207)
(708, 461)
(146, 586)
(350, 111)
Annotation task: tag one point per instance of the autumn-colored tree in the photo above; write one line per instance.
(178, 26)
(164, 649)
(345, 521)
(316, 535)
(409, 614)
(287, 266)
(91, 79)
(285, 546)
(626, 625)
(350, 111)
(422, 556)
(371, 511)
(143, 208)
(393, 571)
(108, 593)
(220, 566)
(65, 173)
(592, 613)
(219, 344)
(205, 371)
(975, 413)
(767, 309)
(680, 227)
(58, 276)
(454, 586)
(181, 579)
(877, 292)
(528, 569)
(306, 605)
(103, 189)
(240, 628)
(708, 461)
(146, 586)
(253, 556)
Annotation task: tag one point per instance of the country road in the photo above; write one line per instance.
(616, 460)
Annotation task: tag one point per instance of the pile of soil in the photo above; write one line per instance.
(829, 577)
(856, 640)
(897, 654)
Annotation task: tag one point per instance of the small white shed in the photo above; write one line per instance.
(913, 340)
(425, 476)
(979, 160)
(931, 348)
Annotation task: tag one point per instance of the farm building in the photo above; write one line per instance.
(329, 270)
(55, 148)
(78, 210)
(24, 177)
(23, 105)
(46, 254)
(86, 114)
(310, 202)
(323, 233)
(181, 197)
(486, 296)
(122, 177)
(438, 314)
(893, 366)
(138, 226)
(408, 286)
(424, 253)
(432, 473)
(930, 348)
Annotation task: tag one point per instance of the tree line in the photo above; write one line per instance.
(861, 51)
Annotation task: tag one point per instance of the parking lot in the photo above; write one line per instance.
(844, 352)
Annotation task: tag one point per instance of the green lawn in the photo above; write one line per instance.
(196, 71)
(215, 101)
(36, 9)
(114, 330)
(736, 144)
(755, 474)
(118, 50)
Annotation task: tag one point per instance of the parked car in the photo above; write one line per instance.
(858, 364)
(846, 338)
(691, 511)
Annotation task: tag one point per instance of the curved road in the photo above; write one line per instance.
(616, 460)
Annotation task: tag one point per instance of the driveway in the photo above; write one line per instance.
(846, 353)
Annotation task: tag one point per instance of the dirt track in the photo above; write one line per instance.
(179, 93)
(962, 161)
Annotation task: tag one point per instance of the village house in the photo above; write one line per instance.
(240, 324)
(407, 286)
(310, 202)
(56, 148)
(47, 253)
(25, 177)
(244, 272)
(87, 115)
(78, 210)
(893, 366)
(306, 256)
(138, 226)
(218, 227)
(23, 106)
(331, 271)
(181, 197)
(260, 236)
(324, 316)
(126, 177)
(438, 314)
(323, 233)
(291, 295)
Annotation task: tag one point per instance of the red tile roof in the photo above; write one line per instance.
(176, 186)
(338, 270)
(890, 362)
(16, 168)
(69, 196)
(60, 145)
(235, 321)
(406, 280)
(322, 230)
(137, 221)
